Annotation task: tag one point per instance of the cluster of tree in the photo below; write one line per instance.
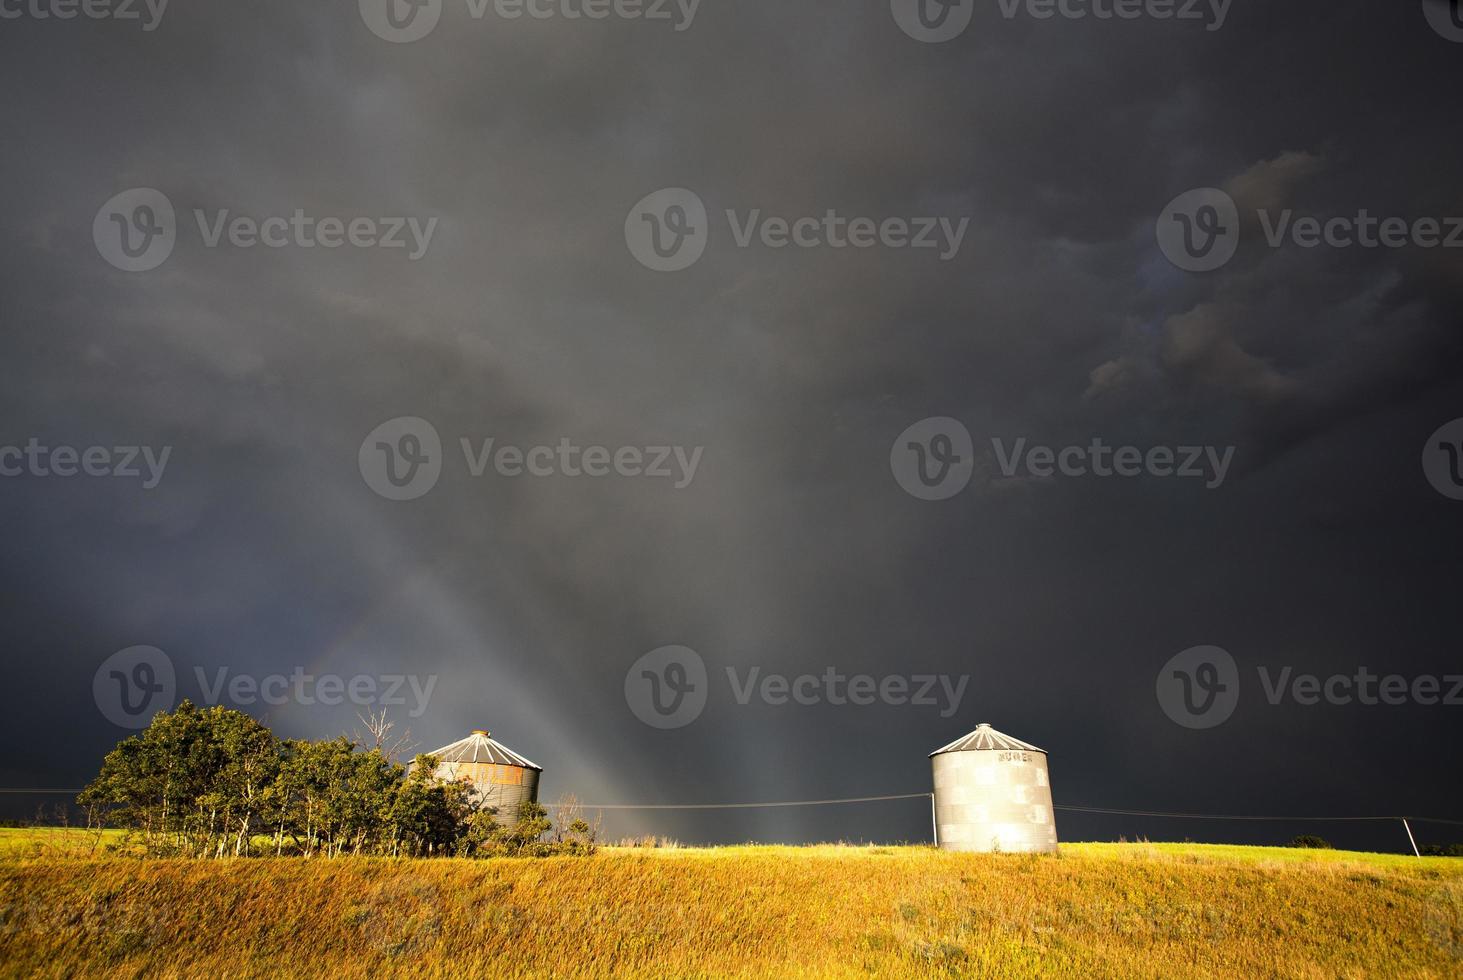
(1310, 841)
(1442, 850)
(211, 782)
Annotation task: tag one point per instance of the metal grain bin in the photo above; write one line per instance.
(992, 793)
(502, 777)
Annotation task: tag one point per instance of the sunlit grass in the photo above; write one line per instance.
(1130, 910)
(55, 841)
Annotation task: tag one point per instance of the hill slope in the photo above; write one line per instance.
(1097, 910)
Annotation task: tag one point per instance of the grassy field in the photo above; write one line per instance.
(1097, 910)
(43, 842)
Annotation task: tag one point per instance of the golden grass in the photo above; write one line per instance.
(1097, 910)
(41, 842)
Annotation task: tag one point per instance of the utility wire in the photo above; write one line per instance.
(911, 796)
(1232, 816)
(744, 806)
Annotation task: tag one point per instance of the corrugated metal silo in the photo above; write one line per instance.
(992, 793)
(502, 777)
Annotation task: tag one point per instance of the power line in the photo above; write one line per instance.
(1073, 808)
(745, 806)
(1233, 816)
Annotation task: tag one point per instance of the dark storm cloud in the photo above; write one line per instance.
(528, 321)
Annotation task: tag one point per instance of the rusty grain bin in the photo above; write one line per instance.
(502, 777)
(992, 793)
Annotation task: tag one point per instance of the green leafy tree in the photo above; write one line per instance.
(429, 815)
(189, 778)
(245, 760)
(208, 782)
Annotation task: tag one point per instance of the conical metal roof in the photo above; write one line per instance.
(480, 747)
(987, 739)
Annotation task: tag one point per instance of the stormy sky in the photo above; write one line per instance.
(528, 319)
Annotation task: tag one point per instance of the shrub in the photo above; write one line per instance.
(211, 782)
(1442, 850)
(1312, 841)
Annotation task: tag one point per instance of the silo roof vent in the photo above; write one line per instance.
(480, 747)
(987, 739)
